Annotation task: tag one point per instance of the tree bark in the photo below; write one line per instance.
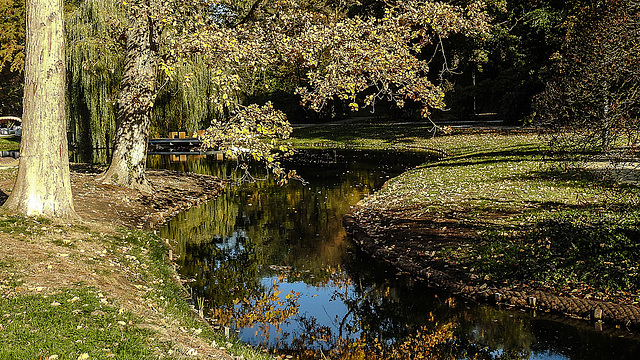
(136, 99)
(43, 185)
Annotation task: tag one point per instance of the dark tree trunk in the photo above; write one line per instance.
(43, 186)
(136, 99)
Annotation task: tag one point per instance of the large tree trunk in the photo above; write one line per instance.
(43, 186)
(135, 101)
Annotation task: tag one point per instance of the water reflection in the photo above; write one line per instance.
(284, 251)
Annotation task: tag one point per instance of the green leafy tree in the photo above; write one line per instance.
(591, 100)
(499, 73)
(11, 56)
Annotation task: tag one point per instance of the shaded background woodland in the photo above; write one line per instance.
(556, 63)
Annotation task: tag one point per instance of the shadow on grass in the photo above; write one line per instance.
(553, 174)
(615, 191)
(514, 152)
(351, 132)
(565, 251)
(518, 153)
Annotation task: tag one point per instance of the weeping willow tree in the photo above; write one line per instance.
(94, 70)
(96, 37)
(183, 103)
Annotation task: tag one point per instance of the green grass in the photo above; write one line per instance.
(9, 143)
(79, 320)
(16, 224)
(567, 231)
(68, 325)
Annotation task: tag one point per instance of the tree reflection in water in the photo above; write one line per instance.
(275, 263)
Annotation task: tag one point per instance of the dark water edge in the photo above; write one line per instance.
(259, 238)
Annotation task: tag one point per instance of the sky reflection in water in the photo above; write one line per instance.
(257, 235)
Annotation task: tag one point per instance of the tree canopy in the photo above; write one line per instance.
(213, 59)
(593, 92)
(358, 60)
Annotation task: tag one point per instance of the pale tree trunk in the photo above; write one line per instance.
(43, 186)
(135, 101)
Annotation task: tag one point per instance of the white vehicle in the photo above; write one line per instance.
(10, 126)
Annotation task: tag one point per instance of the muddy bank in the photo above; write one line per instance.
(118, 206)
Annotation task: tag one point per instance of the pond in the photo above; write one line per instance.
(274, 264)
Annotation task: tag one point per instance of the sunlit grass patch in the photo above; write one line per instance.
(370, 136)
(534, 224)
(9, 143)
(24, 225)
(68, 324)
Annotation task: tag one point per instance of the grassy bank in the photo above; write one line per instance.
(524, 222)
(363, 135)
(83, 291)
(9, 143)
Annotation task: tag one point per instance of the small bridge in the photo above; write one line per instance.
(176, 144)
(179, 144)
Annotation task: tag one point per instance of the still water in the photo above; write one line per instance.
(275, 264)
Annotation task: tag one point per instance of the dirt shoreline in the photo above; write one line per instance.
(48, 258)
(118, 206)
(402, 256)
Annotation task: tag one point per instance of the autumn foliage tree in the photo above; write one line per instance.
(11, 56)
(358, 60)
(342, 57)
(366, 59)
(591, 103)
